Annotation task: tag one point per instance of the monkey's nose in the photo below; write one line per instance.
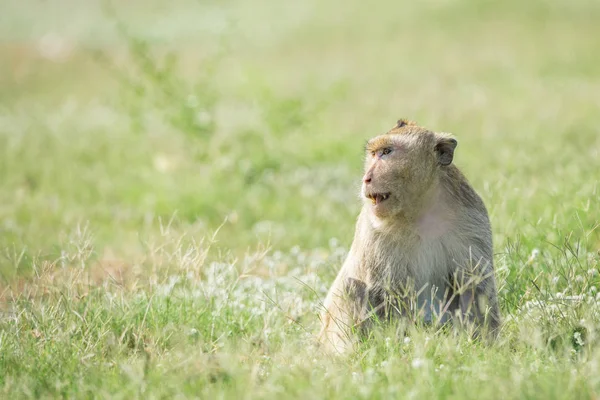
(368, 176)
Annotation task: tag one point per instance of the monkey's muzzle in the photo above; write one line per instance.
(377, 198)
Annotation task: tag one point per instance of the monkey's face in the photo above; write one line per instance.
(401, 168)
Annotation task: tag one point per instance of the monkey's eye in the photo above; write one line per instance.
(386, 151)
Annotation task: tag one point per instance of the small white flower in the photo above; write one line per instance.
(534, 255)
(333, 243)
(417, 363)
(406, 340)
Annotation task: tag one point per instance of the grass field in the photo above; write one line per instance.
(179, 185)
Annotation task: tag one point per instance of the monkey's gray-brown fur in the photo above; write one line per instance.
(423, 233)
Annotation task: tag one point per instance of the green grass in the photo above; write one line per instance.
(179, 186)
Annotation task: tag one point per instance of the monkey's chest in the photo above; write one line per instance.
(415, 282)
(395, 267)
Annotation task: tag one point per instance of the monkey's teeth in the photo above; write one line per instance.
(374, 200)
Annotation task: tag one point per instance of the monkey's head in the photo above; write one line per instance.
(402, 166)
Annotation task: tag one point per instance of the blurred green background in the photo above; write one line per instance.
(256, 112)
(130, 131)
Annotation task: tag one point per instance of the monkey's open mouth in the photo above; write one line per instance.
(377, 198)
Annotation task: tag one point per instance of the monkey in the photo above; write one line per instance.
(422, 245)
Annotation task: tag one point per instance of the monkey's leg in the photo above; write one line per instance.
(436, 306)
(478, 304)
(366, 304)
(345, 307)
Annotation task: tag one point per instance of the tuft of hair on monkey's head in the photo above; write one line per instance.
(406, 126)
(402, 122)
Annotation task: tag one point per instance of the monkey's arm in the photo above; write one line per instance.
(345, 307)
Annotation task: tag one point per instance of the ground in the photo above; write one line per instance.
(180, 185)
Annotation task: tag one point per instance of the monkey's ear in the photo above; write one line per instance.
(445, 149)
